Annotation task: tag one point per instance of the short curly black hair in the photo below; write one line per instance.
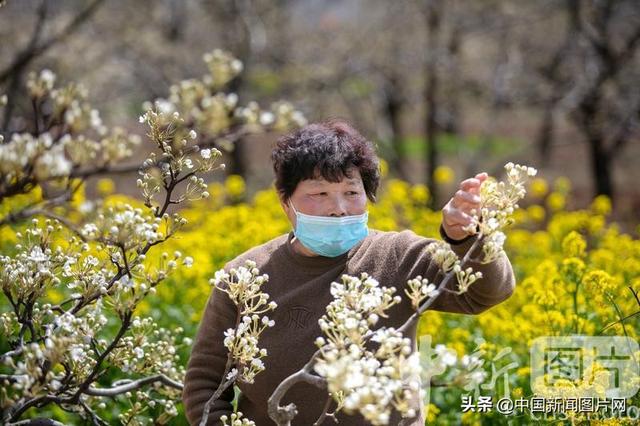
(327, 149)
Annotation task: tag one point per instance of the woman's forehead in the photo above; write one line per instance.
(353, 180)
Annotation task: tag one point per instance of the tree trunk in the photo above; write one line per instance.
(393, 103)
(433, 11)
(601, 167)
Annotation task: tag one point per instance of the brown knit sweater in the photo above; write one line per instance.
(300, 286)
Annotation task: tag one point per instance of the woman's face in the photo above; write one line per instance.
(319, 197)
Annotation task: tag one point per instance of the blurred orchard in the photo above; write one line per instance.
(115, 209)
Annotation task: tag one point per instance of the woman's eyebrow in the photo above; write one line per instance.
(322, 183)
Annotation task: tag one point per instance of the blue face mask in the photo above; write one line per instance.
(330, 236)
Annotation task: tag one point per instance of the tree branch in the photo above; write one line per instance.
(443, 286)
(33, 50)
(325, 413)
(93, 391)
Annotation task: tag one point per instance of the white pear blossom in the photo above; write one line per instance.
(447, 356)
(418, 290)
(243, 286)
(442, 254)
(369, 381)
(236, 420)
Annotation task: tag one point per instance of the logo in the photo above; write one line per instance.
(299, 317)
(588, 364)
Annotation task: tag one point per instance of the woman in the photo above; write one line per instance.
(325, 172)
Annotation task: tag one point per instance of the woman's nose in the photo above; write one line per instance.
(338, 208)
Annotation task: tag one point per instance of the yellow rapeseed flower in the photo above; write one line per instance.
(431, 412)
(443, 175)
(601, 205)
(574, 245)
(562, 185)
(556, 201)
(235, 186)
(572, 269)
(598, 281)
(419, 194)
(538, 187)
(105, 186)
(536, 213)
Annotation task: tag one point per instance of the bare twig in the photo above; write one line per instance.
(16, 72)
(284, 415)
(36, 422)
(224, 385)
(95, 419)
(35, 49)
(136, 384)
(325, 413)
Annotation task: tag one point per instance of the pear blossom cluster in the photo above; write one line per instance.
(130, 289)
(466, 370)
(472, 373)
(194, 121)
(50, 154)
(128, 228)
(124, 225)
(69, 102)
(465, 277)
(24, 150)
(243, 285)
(223, 68)
(358, 303)
(372, 382)
(418, 289)
(87, 277)
(66, 340)
(57, 346)
(149, 349)
(113, 146)
(498, 201)
(449, 262)
(35, 267)
(442, 254)
(180, 158)
(70, 105)
(206, 109)
(236, 419)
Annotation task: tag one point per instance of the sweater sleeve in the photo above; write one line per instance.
(207, 362)
(496, 285)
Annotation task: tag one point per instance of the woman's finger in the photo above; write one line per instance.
(457, 217)
(466, 200)
(482, 176)
(467, 184)
(467, 197)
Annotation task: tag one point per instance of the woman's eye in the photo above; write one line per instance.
(319, 194)
(352, 193)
